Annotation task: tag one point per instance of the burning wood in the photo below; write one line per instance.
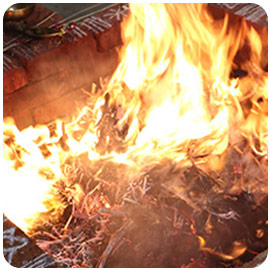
(167, 165)
(157, 222)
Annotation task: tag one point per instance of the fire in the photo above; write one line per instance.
(182, 102)
(173, 98)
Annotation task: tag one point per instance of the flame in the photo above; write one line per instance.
(174, 84)
(173, 98)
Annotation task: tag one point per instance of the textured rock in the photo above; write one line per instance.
(14, 75)
(59, 108)
(36, 94)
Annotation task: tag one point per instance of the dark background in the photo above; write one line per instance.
(67, 9)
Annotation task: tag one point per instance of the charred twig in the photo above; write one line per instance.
(130, 200)
(227, 215)
(63, 139)
(111, 212)
(259, 164)
(50, 235)
(237, 149)
(68, 222)
(90, 193)
(113, 242)
(177, 221)
(44, 244)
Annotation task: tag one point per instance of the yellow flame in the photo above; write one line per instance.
(172, 91)
(178, 97)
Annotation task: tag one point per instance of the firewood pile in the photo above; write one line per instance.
(163, 216)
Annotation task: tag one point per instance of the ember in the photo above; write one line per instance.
(167, 164)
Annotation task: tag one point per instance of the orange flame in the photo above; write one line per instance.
(178, 97)
(173, 92)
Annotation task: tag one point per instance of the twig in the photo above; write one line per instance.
(50, 235)
(237, 149)
(259, 164)
(113, 242)
(130, 200)
(68, 222)
(111, 212)
(84, 203)
(45, 243)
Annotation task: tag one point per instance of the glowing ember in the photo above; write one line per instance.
(173, 98)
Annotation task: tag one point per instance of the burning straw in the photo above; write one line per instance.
(154, 217)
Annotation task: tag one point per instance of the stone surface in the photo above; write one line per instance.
(59, 57)
(110, 38)
(14, 74)
(21, 51)
(59, 108)
(75, 51)
(20, 251)
(24, 119)
(36, 94)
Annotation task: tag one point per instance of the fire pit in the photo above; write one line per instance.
(165, 165)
